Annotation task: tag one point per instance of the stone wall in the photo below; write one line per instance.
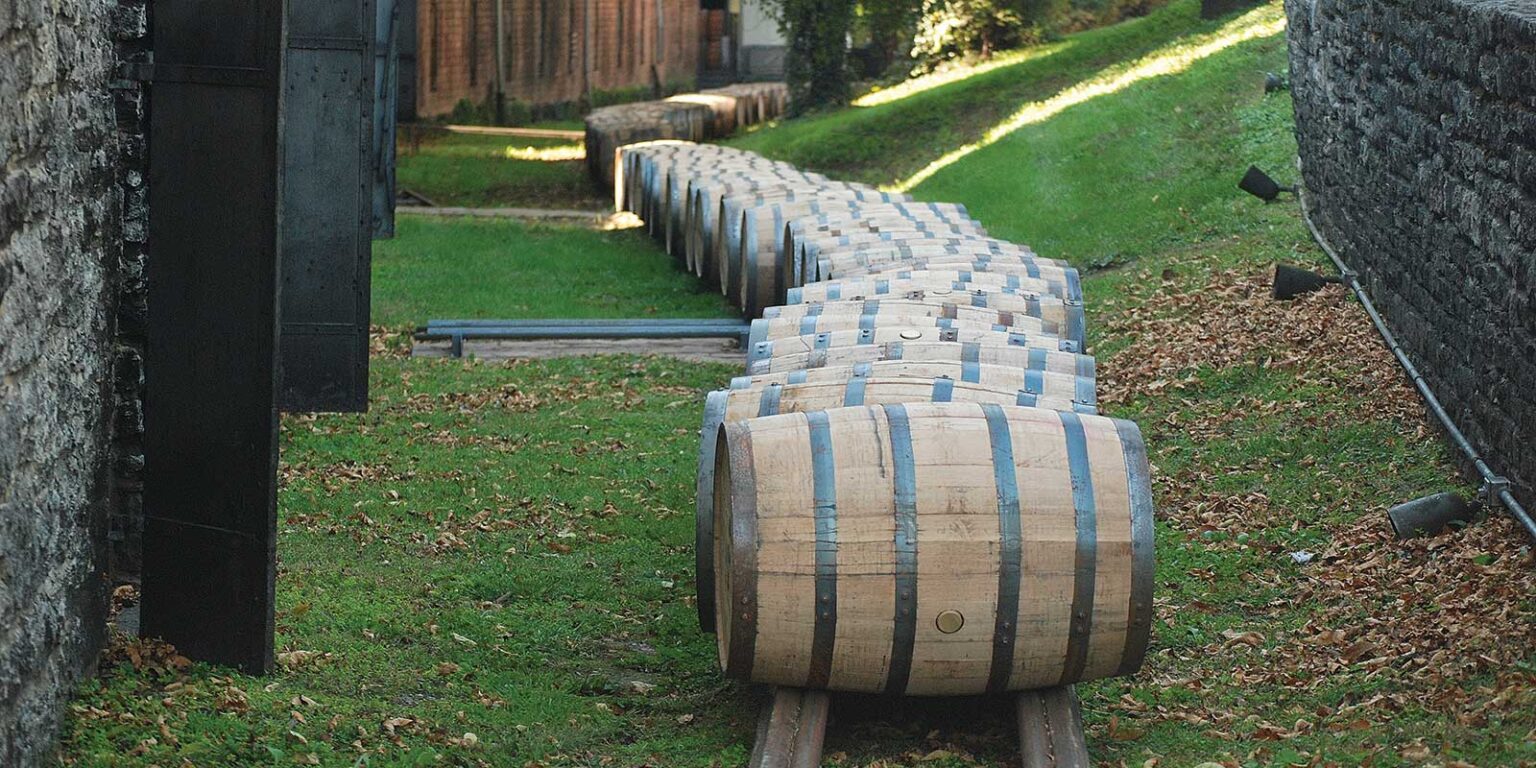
(126, 519)
(59, 253)
(1417, 127)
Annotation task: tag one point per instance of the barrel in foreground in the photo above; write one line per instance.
(932, 549)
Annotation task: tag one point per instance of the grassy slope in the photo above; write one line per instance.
(504, 269)
(496, 171)
(570, 587)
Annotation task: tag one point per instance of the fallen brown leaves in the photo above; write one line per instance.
(389, 342)
(506, 397)
(511, 397)
(1230, 321)
(1440, 624)
(344, 474)
(550, 519)
(145, 655)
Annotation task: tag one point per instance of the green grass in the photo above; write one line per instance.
(886, 143)
(495, 268)
(475, 171)
(505, 549)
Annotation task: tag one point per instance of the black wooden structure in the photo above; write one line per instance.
(327, 204)
(271, 168)
(210, 417)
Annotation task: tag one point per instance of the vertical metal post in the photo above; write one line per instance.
(386, 88)
(586, 51)
(407, 43)
(501, 63)
(210, 442)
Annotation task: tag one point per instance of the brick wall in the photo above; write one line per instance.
(59, 260)
(1417, 127)
(555, 50)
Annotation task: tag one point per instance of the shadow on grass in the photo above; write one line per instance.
(499, 171)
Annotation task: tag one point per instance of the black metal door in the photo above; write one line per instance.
(327, 204)
(210, 441)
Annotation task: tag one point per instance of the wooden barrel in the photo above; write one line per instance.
(1070, 288)
(825, 263)
(729, 405)
(630, 158)
(845, 234)
(1035, 381)
(690, 117)
(735, 208)
(810, 249)
(911, 248)
(954, 263)
(807, 249)
(722, 110)
(663, 177)
(959, 295)
(726, 256)
(645, 169)
(759, 255)
(911, 209)
(851, 235)
(929, 281)
(1059, 318)
(873, 220)
(883, 224)
(929, 285)
(753, 263)
(932, 549)
(671, 174)
(610, 128)
(872, 337)
(889, 212)
(895, 255)
(787, 358)
(675, 195)
(702, 201)
(1029, 331)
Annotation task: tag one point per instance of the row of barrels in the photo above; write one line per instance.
(909, 489)
(710, 113)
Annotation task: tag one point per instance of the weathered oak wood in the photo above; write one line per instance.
(791, 730)
(1051, 729)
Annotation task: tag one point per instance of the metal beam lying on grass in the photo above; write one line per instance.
(458, 331)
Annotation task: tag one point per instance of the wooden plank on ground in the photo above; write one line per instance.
(791, 730)
(1051, 729)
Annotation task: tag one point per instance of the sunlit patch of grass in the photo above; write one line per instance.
(554, 154)
(1171, 60)
(954, 74)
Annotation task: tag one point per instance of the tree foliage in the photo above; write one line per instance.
(816, 59)
(949, 29)
(921, 33)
